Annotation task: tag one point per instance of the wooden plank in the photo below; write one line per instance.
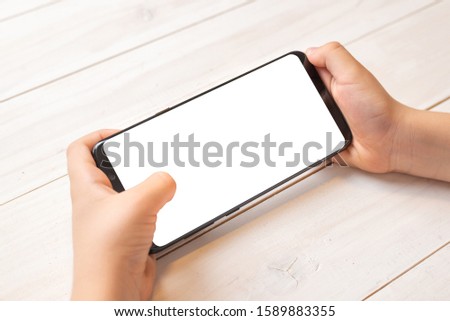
(400, 57)
(70, 35)
(35, 240)
(38, 126)
(11, 9)
(428, 281)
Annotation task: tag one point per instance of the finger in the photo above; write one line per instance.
(344, 159)
(151, 195)
(337, 60)
(81, 165)
(340, 159)
(326, 77)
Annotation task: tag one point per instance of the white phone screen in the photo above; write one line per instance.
(229, 161)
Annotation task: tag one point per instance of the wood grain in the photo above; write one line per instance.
(340, 234)
(408, 57)
(38, 126)
(71, 35)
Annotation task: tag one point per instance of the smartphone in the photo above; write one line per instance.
(229, 147)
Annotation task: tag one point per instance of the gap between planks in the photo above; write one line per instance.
(190, 26)
(174, 32)
(193, 25)
(196, 23)
(406, 271)
(438, 103)
(22, 13)
(34, 189)
(57, 178)
(406, 16)
(128, 50)
(442, 101)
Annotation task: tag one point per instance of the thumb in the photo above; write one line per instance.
(153, 193)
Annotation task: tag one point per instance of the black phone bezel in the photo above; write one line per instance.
(104, 164)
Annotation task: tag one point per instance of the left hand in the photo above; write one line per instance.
(112, 232)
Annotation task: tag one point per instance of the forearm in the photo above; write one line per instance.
(422, 145)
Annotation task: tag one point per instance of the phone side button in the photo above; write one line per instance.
(233, 211)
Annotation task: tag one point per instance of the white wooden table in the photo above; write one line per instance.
(71, 67)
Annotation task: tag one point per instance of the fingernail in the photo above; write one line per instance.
(310, 50)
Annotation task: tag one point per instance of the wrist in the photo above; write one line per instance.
(403, 139)
(402, 156)
(422, 144)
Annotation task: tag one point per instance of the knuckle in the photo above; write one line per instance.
(335, 45)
